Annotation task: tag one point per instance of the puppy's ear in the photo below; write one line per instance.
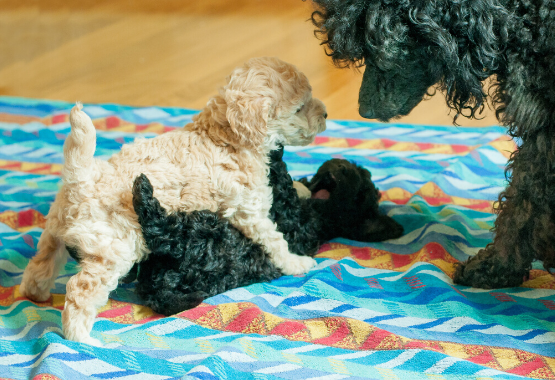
(247, 114)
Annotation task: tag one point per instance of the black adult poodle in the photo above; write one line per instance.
(197, 255)
(409, 46)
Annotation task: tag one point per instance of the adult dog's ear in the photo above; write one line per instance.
(247, 114)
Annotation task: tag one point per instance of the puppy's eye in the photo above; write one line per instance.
(300, 108)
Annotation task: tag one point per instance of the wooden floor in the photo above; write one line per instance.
(169, 52)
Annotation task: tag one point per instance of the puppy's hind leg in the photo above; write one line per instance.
(89, 289)
(42, 270)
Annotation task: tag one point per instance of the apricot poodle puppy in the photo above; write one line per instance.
(219, 162)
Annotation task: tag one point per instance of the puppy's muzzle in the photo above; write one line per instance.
(322, 185)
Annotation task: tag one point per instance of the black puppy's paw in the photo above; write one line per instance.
(379, 229)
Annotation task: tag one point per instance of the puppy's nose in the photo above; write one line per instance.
(326, 115)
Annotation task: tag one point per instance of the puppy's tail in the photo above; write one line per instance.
(79, 148)
(151, 214)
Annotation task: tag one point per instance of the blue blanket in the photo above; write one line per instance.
(368, 311)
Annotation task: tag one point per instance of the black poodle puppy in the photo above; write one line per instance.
(193, 255)
(197, 255)
(407, 46)
(345, 201)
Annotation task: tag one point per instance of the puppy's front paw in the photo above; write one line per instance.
(296, 264)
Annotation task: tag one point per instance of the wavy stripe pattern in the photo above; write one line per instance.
(384, 310)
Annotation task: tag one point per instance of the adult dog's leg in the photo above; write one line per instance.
(525, 228)
(43, 269)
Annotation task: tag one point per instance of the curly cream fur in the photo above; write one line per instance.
(218, 162)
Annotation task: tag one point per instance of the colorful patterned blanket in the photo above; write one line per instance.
(367, 311)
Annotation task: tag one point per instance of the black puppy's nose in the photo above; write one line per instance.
(326, 115)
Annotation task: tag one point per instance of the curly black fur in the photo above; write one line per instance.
(351, 211)
(194, 255)
(407, 46)
(197, 255)
(295, 218)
